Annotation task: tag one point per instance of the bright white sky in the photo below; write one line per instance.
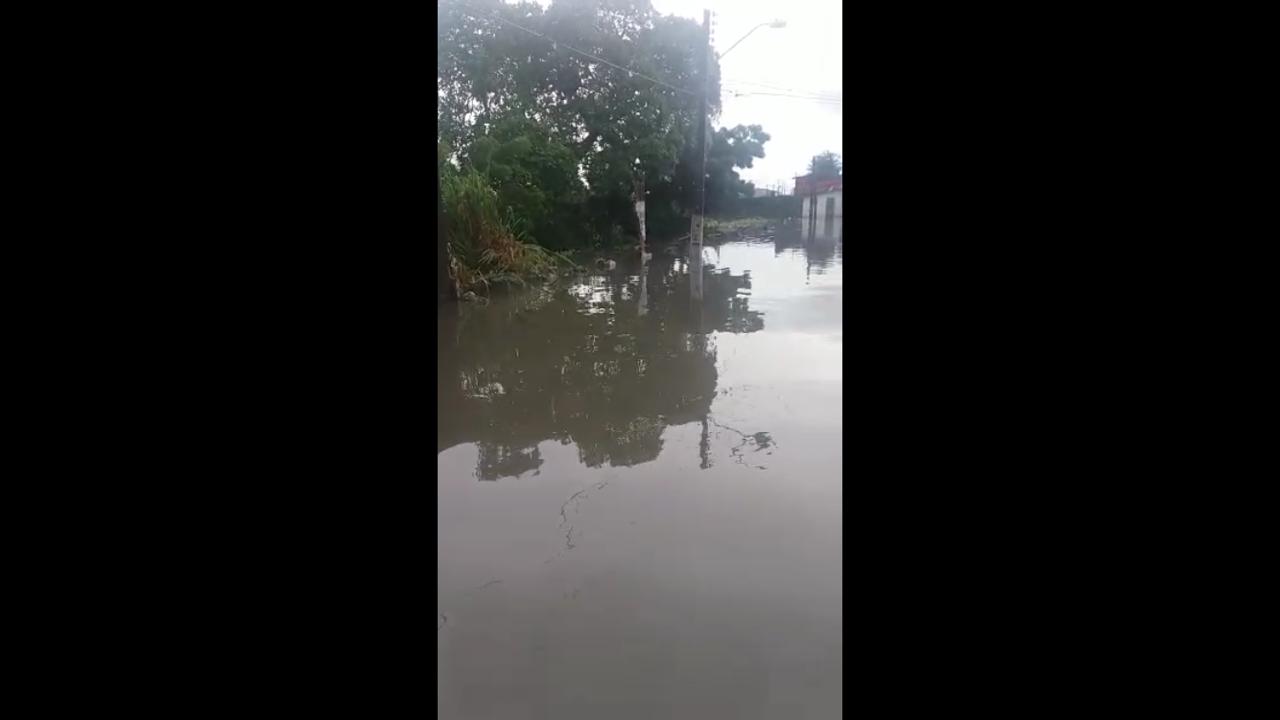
(804, 58)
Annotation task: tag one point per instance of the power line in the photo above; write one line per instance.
(833, 101)
(731, 81)
(557, 43)
(791, 95)
(787, 91)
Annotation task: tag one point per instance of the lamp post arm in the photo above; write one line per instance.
(744, 37)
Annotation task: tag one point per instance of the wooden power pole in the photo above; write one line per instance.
(695, 231)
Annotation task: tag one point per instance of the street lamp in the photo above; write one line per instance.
(772, 24)
(704, 62)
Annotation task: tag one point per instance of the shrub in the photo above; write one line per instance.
(486, 242)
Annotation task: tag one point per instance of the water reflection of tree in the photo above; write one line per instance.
(500, 461)
(583, 365)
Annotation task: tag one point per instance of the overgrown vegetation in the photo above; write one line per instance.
(565, 142)
(777, 207)
(486, 244)
(724, 226)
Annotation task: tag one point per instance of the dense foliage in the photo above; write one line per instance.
(775, 207)
(825, 166)
(564, 140)
(486, 242)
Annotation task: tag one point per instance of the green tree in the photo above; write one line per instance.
(825, 166)
(506, 72)
(536, 179)
(732, 148)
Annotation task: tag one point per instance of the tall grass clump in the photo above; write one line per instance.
(487, 244)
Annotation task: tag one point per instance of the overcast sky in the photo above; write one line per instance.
(804, 58)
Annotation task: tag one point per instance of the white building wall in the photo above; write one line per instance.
(822, 204)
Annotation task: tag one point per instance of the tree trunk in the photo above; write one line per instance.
(640, 214)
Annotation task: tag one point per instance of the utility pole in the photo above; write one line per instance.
(644, 247)
(640, 199)
(695, 231)
(444, 287)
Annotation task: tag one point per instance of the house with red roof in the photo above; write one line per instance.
(823, 198)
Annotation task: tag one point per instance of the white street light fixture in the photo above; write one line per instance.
(772, 24)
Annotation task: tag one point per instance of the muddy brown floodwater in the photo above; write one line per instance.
(640, 491)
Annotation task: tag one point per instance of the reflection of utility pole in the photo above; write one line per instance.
(695, 230)
(644, 283)
(698, 337)
(695, 273)
(704, 446)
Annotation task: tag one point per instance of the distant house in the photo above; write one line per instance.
(765, 192)
(828, 195)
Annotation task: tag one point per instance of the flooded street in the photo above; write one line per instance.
(640, 490)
